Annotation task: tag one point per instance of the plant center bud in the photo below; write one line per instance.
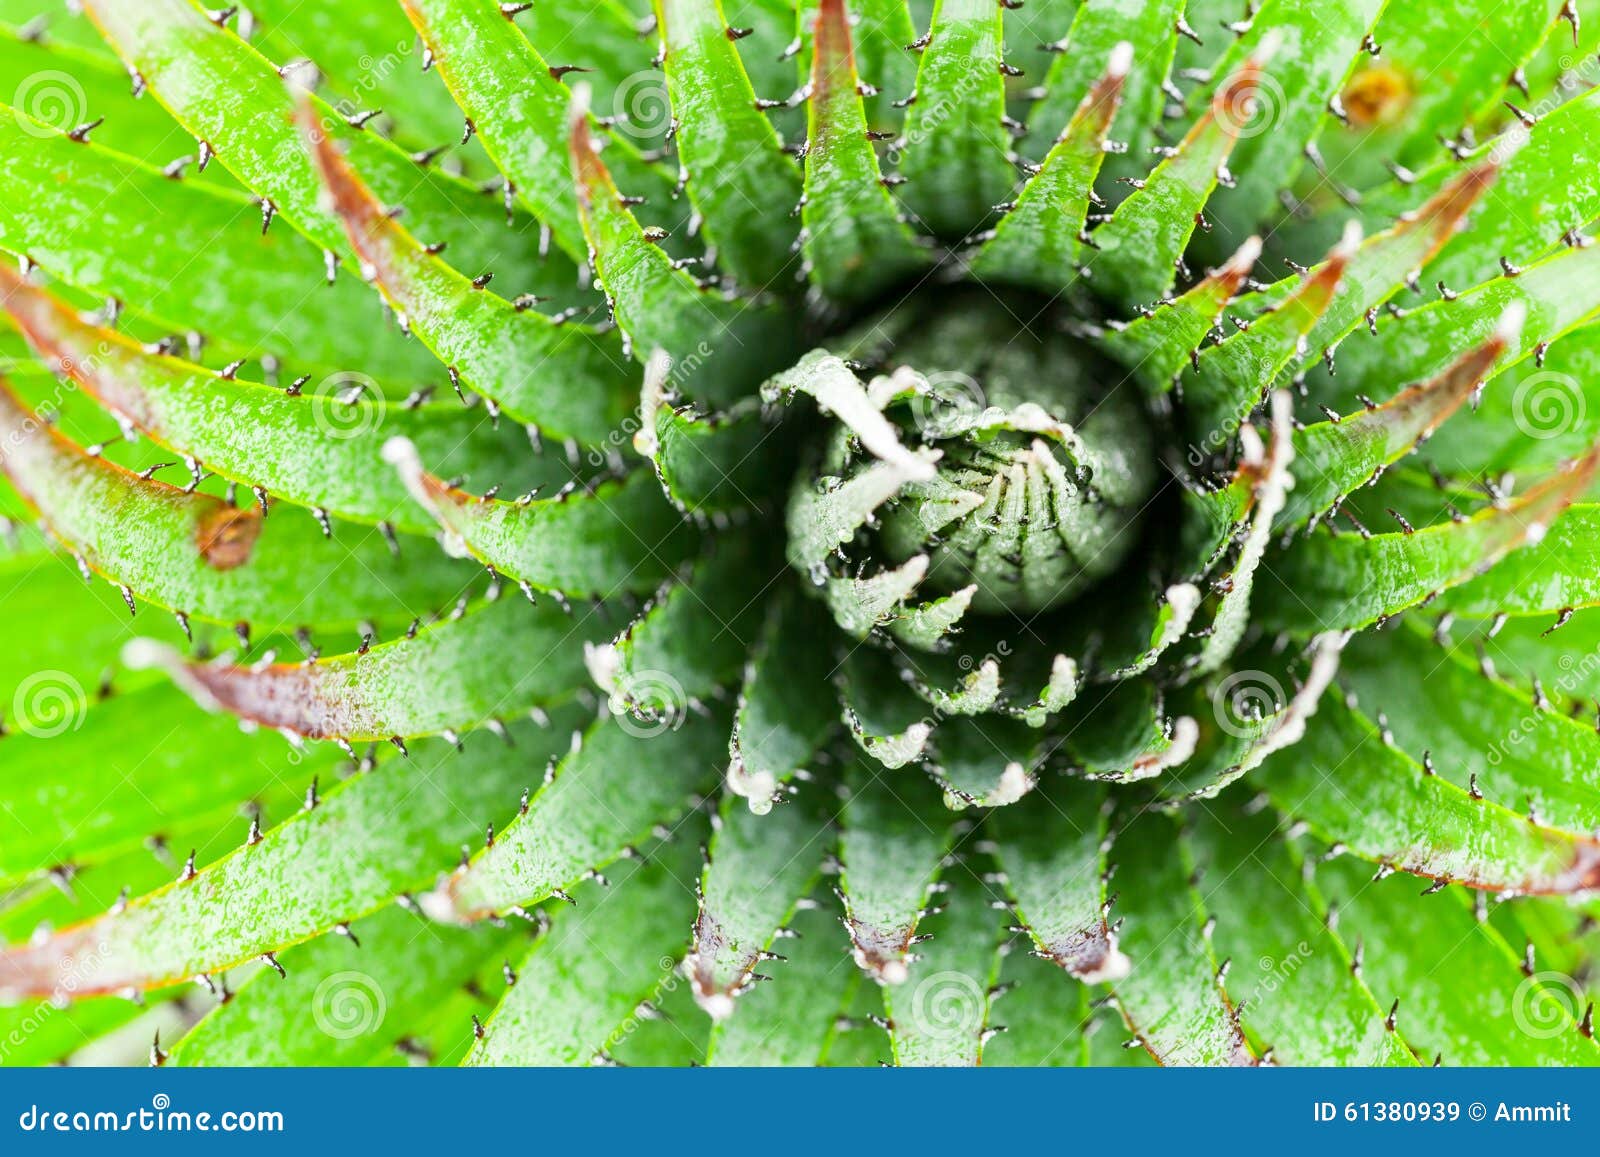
(1045, 455)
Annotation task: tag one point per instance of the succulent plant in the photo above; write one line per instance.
(792, 464)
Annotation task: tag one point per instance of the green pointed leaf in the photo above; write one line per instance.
(322, 450)
(892, 846)
(955, 148)
(941, 1016)
(741, 182)
(1146, 235)
(1389, 810)
(191, 552)
(1553, 574)
(1123, 735)
(65, 86)
(881, 30)
(838, 393)
(1336, 456)
(717, 344)
(886, 719)
(578, 985)
(368, 58)
(1353, 580)
(855, 242)
(135, 770)
(1392, 259)
(1046, 1016)
(707, 463)
(570, 380)
(1318, 51)
(124, 230)
(1232, 376)
(368, 995)
(1260, 488)
(1055, 864)
(785, 713)
(791, 1021)
(689, 641)
(984, 761)
(1157, 344)
(760, 868)
(1537, 414)
(1543, 192)
(1098, 26)
(518, 107)
(620, 535)
(1523, 755)
(1038, 240)
(228, 95)
(1482, 1014)
(1172, 999)
(1255, 717)
(1558, 294)
(593, 810)
(442, 678)
(1290, 973)
(365, 842)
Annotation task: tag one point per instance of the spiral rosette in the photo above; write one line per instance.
(1001, 475)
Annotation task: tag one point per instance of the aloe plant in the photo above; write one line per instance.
(1050, 533)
